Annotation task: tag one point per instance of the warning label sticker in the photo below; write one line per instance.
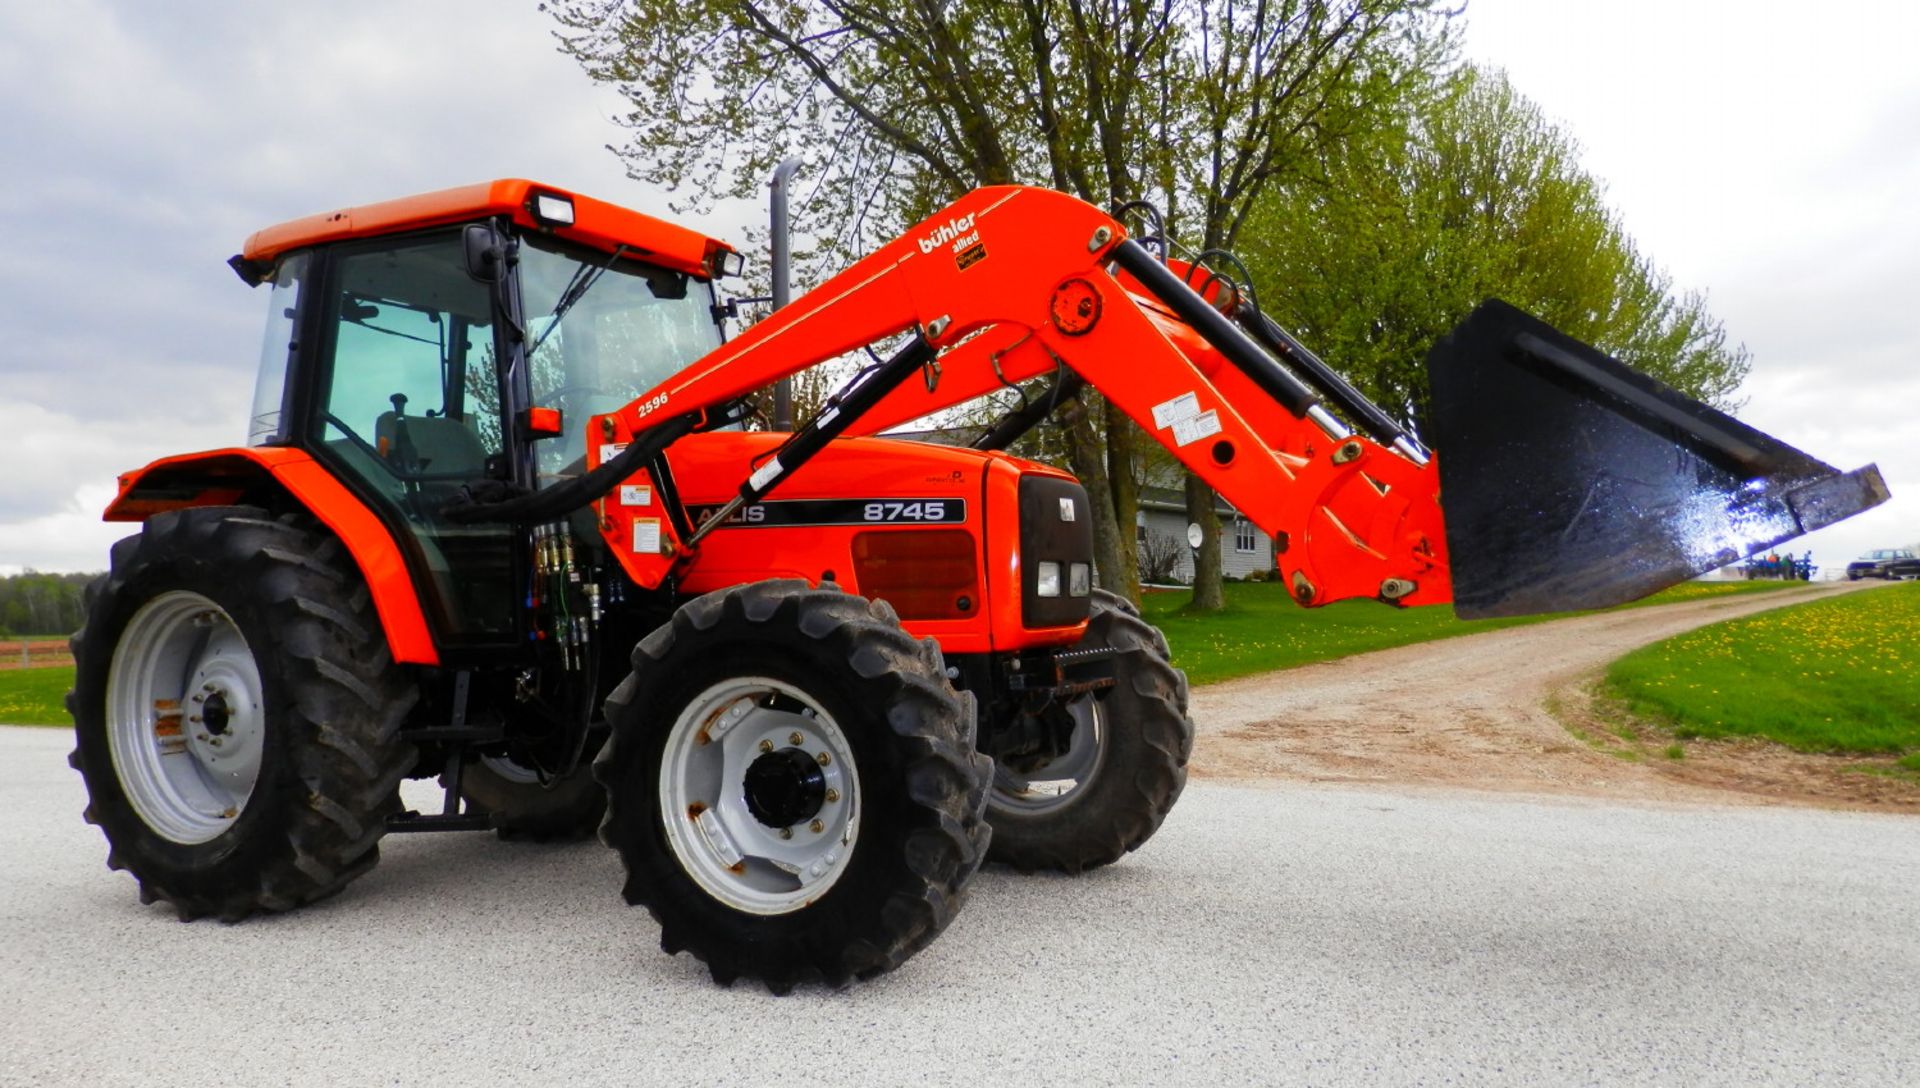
(646, 536)
(1169, 413)
(636, 495)
(1188, 431)
(612, 450)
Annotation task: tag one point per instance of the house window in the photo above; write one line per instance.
(1245, 540)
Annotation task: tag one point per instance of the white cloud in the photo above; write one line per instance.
(1754, 149)
(69, 537)
(145, 142)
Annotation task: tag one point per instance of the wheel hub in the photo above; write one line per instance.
(784, 787)
(216, 714)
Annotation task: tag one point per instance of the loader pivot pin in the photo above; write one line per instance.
(1303, 590)
(1075, 308)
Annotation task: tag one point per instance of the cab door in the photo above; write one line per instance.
(405, 403)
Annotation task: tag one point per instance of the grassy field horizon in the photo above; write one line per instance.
(1262, 630)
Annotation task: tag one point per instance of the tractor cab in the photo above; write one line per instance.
(422, 345)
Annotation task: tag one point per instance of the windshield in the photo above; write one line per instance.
(623, 326)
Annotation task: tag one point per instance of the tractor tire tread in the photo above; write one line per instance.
(946, 779)
(1129, 800)
(343, 711)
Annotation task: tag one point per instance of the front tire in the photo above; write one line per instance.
(237, 713)
(792, 785)
(1124, 769)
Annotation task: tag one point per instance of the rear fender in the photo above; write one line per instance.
(259, 475)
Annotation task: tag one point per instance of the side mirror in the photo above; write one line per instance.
(486, 253)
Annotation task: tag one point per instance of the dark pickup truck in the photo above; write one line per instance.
(1885, 563)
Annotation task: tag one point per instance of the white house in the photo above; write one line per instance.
(1160, 532)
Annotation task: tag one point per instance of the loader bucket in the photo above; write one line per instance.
(1571, 481)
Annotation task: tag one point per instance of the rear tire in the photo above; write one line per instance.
(226, 625)
(564, 809)
(1128, 780)
(882, 796)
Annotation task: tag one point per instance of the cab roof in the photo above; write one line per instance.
(596, 223)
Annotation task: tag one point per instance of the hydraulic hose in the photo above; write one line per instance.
(562, 499)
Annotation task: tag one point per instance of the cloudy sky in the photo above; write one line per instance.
(1753, 149)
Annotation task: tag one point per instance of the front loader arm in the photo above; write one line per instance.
(1012, 282)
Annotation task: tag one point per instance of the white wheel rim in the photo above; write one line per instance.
(510, 771)
(733, 856)
(1063, 779)
(186, 717)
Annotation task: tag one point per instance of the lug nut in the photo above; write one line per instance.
(766, 746)
(795, 737)
(816, 827)
(832, 794)
(824, 759)
(786, 832)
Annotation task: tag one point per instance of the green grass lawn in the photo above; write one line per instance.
(1262, 629)
(35, 696)
(1839, 675)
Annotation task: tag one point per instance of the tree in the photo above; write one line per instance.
(1477, 195)
(32, 603)
(896, 108)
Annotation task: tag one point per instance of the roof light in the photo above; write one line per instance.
(552, 209)
(722, 262)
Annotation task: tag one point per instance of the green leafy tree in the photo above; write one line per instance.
(1476, 195)
(897, 108)
(32, 603)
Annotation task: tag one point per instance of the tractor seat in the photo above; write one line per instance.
(446, 449)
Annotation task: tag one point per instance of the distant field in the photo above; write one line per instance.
(1263, 629)
(1839, 675)
(35, 696)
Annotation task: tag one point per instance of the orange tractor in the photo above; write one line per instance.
(503, 518)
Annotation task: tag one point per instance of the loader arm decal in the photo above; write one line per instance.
(1011, 282)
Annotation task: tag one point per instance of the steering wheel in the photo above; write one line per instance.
(353, 436)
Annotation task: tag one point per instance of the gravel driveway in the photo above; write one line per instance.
(1490, 712)
(1305, 934)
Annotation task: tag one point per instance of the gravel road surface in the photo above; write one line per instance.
(1490, 712)
(1306, 934)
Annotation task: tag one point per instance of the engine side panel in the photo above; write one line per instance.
(907, 514)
